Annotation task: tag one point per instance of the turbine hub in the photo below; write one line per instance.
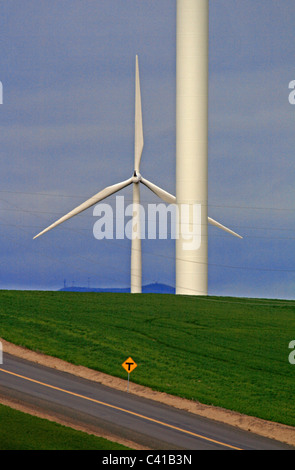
(136, 177)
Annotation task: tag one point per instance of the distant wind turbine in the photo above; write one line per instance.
(136, 178)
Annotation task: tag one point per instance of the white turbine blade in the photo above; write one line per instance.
(167, 197)
(170, 199)
(90, 202)
(217, 224)
(138, 139)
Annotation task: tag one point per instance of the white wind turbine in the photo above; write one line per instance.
(136, 178)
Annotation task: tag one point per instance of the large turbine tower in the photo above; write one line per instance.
(192, 142)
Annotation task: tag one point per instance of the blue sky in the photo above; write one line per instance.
(67, 130)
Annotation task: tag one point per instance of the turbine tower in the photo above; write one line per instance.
(192, 37)
(136, 178)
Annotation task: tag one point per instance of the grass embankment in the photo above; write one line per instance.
(226, 352)
(20, 431)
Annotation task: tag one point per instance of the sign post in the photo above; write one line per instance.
(129, 365)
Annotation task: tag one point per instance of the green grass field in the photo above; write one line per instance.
(20, 431)
(227, 352)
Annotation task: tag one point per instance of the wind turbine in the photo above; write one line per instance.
(135, 179)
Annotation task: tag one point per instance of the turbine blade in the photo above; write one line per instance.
(90, 202)
(138, 139)
(170, 199)
(167, 197)
(217, 224)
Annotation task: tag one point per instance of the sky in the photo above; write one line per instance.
(67, 131)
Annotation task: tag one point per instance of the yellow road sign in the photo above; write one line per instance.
(129, 365)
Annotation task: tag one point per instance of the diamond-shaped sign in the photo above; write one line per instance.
(129, 365)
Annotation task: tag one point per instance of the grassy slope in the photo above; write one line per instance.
(222, 351)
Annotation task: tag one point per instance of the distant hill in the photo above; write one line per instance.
(154, 288)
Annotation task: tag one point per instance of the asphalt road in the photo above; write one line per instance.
(146, 422)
